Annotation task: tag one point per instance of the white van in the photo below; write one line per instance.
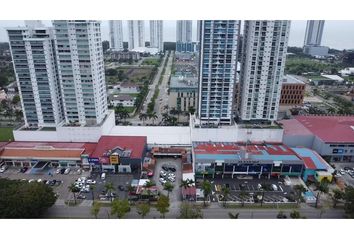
(103, 176)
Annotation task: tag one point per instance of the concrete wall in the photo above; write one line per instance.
(49, 136)
(298, 140)
(69, 134)
(234, 134)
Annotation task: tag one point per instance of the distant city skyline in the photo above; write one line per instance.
(337, 33)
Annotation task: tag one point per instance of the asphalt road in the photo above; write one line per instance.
(162, 93)
(212, 212)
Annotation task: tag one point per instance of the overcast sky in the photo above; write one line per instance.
(337, 34)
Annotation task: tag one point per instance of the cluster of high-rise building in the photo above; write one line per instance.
(313, 38)
(262, 60)
(136, 34)
(60, 72)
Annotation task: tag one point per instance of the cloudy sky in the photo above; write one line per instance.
(337, 34)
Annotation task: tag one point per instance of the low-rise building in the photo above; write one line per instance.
(183, 93)
(325, 80)
(347, 72)
(123, 55)
(292, 91)
(331, 136)
(231, 159)
(122, 100)
(316, 51)
(128, 88)
(119, 154)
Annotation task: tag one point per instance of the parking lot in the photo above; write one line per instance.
(117, 180)
(46, 174)
(175, 195)
(246, 190)
(347, 178)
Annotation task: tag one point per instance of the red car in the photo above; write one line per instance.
(150, 173)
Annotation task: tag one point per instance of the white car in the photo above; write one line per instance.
(67, 171)
(58, 171)
(275, 188)
(31, 180)
(163, 181)
(39, 180)
(3, 169)
(90, 181)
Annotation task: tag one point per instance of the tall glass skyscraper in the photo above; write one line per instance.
(264, 49)
(217, 70)
(33, 54)
(156, 34)
(81, 70)
(116, 35)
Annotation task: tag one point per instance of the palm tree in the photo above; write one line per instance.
(72, 188)
(322, 187)
(243, 195)
(143, 117)
(299, 189)
(233, 216)
(143, 209)
(153, 116)
(148, 185)
(225, 192)
(185, 184)
(124, 114)
(165, 117)
(95, 209)
(337, 195)
(206, 187)
(92, 188)
(168, 187)
(109, 187)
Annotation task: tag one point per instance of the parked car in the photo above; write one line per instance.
(274, 187)
(163, 181)
(24, 169)
(3, 168)
(90, 181)
(62, 170)
(79, 171)
(80, 196)
(53, 182)
(172, 169)
(103, 176)
(58, 171)
(31, 180)
(39, 180)
(347, 168)
(67, 171)
(165, 168)
(121, 187)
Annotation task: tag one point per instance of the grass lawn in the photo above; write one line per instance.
(129, 109)
(6, 134)
(151, 61)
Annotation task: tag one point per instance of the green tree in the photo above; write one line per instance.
(16, 100)
(190, 211)
(92, 190)
(162, 205)
(233, 216)
(206, 187)
(153, 116)
(225, 192)
(20, 199)
(120, 207)
(18, 115)
(95, 209)
(72, 188)
(349, 201)
(143, 117)
(299, 189)
(295, 214)
(143, 209)
(336, 196)
(243, 196)
(322, 187)
(168, 187)
(148, 185)
(191, 110)
(109, 188)
(281, 215)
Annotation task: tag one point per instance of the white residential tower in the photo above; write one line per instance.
(156, 34)
(116, 35)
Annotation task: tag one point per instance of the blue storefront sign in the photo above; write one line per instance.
(93, 161)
